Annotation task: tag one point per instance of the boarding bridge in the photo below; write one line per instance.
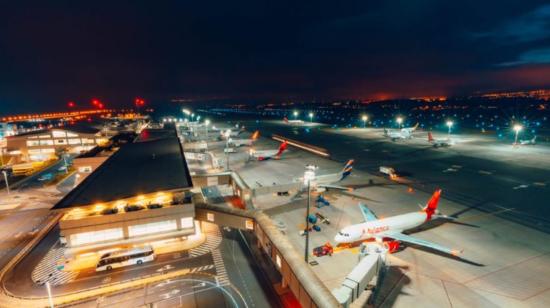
(368, 273)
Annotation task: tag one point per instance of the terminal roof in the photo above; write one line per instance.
(137, 168)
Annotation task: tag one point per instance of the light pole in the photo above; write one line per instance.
(65, 163)
(50, 299)
(206, 123)
(311, 117)
(449, 125)
(399, 121)
(6, 180)
(517, 129)
(364, 118)
(295, 114)
(227, 136)
(309, 176)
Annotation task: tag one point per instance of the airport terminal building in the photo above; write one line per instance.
(140, 194)
(43, 144)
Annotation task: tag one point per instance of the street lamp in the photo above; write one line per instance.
(311, 117)
(49, 289)
(192, 116)
(309, 175)
(399, 121)
(295, 113)
(517, 129)
(364, 118)
(206, 123)
(227, 135)
(449, 125)
(6, 180)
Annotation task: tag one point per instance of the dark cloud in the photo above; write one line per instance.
(68, 50)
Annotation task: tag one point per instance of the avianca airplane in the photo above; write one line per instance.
(529, 141)
(269, 154)
(389, 231)
(241, 142)
(327, 181)
(447, 142)
(404, 133)
(287, 121)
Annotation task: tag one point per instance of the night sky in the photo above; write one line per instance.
(74, 50)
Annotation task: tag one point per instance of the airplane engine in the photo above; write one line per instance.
(392, 246)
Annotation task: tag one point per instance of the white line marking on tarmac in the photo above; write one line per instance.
(520, 186)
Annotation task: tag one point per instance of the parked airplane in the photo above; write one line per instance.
(389, 231)
(240, 142)
(287, 121)
(528, 141)
(447, 142)
(327, 181)
(232, 133)
(269, 154)
(404, 133)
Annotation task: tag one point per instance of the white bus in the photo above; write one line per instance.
(125, 257)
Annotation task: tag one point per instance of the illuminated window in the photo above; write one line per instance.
(85, 169)
(32, 143)
(46, 142)
(59, 134)
(87, 141)
(50, 150)
(96, 236)
(249, 224)
(71, 134)
(187, 222)
(278, 260)
(44, 136)
(210, 216)
(74, 141)
(154, 227)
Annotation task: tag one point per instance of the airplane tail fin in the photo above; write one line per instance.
(282, 148)
(534, 139)
(414, 127)
(431, 206)
(285, 119)
(347, 169)
(430, 137)
(255, 135)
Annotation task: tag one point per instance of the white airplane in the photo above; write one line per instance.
(246, 142)
(269, 154)
(287, 121)
(327, 181)
(447, 142)
(528, 141)
(404, 133)
(389, 231)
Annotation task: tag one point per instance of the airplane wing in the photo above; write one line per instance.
(328, 186)
(416, 241)
(368, 215)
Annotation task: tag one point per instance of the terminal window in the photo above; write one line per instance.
(187, 222)
(153, 227)
(96, 236)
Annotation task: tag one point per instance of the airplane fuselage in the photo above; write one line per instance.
(375, 229)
